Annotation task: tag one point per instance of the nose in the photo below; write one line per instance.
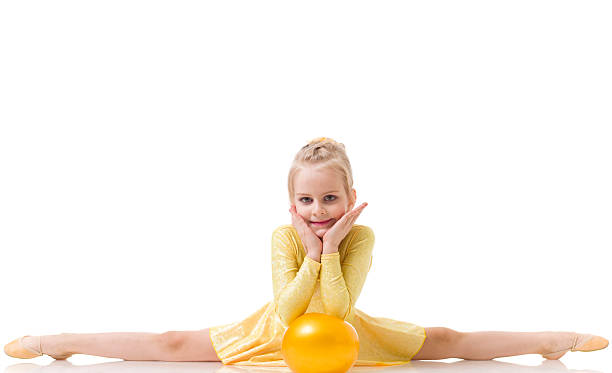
(319, 210)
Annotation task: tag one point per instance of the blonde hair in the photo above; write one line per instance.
(324, 152)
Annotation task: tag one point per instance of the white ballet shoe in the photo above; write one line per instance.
(17, 349)
(582, 342)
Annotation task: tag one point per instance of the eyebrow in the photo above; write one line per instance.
(306, 194)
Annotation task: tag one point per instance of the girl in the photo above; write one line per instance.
(319, 264)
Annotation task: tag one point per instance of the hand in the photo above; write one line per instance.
(338, 231)
(311, 241)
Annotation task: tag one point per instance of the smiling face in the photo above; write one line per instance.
(320, 196)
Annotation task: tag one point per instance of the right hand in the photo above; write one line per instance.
(311, 241)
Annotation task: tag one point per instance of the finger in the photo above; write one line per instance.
(294, 213)
(359, 209)
(357, 212)
(300, 220)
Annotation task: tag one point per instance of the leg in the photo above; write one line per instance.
(440, 343)
(191, 345)
(491, 344)
(443, 343)
(169, 346)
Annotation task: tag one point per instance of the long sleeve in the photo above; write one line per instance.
(293, 289)
(342, 284)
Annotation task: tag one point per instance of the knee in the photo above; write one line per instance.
(444, 335)
(171, 340)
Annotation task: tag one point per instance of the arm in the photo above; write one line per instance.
(342, 284)
(293, 289)
(329, 249)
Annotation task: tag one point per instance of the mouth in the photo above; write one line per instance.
(321, 223)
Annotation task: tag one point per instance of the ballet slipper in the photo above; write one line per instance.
(17, 349)
(582, 342)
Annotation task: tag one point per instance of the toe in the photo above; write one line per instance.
(593, 343)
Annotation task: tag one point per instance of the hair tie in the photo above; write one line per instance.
(320, 139)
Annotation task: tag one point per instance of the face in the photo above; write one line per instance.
(320, 196)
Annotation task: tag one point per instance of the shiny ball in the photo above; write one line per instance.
(320, 343)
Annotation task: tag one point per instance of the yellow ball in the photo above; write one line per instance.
(320, 343)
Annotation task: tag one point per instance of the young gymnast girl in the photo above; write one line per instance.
(319, 264)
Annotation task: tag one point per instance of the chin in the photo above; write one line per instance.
(320, 231)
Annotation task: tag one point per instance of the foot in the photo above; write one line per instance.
(48, 344)
(559, 344)
(562, 342)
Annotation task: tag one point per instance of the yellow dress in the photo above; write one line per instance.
(299, 289)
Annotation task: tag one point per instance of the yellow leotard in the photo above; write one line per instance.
(303, 285)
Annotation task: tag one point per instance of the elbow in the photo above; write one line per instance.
(284, 317)
(283, 321)
(348, 312)
(287, 320)
(342, 315)
(279, 315)
(340, 310)
(349, 307)
(339, 314)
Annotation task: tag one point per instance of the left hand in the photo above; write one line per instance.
(338, 231)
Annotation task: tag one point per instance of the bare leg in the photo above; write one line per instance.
(121, 345)
(491, 344)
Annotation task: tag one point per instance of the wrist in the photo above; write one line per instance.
(330, 248)
(314, 256)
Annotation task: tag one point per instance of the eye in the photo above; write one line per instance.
(329, 195)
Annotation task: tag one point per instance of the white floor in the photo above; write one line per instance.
(593, 362)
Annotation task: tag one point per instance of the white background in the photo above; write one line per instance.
(145, 145)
